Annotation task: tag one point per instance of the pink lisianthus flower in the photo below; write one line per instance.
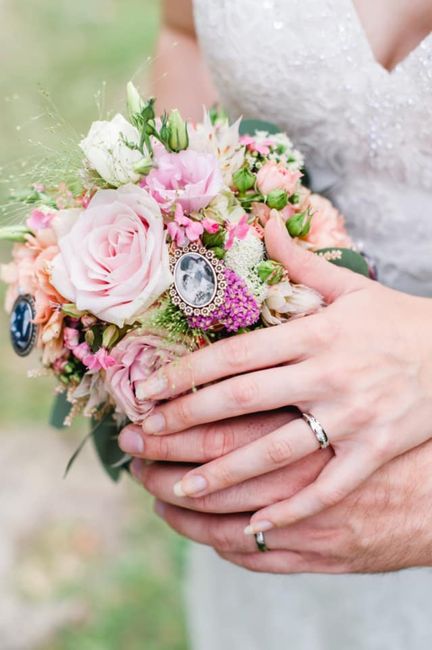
(190, 178)
(183, 230)
(70, 338)
(136, 357)
(100, 360)
(259, 147)
(275, 176)
(210, 225)
(327, 226)
(113, 259)
(237, 230)
(40, 219)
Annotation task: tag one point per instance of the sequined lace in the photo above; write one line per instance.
(366, 133)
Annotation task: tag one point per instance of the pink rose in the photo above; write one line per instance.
(136, 357)
(113, 259)
(190, 178)
(275, 176)
(328, 225)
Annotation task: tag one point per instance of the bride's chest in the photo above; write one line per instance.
(307, 65)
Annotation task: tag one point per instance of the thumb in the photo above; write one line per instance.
(307, 268)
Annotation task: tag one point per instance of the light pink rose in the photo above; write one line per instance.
(136, 357)
(113, 259)
(190, 178)
(328, 225)
(275, 176)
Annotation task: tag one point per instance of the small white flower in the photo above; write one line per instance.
(107, 151)
(243, 258)
(285, 300)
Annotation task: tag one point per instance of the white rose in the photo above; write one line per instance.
(107, 152)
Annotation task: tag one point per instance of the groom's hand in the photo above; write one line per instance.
(383, 526)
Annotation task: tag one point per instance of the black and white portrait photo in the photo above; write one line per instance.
(195, 280)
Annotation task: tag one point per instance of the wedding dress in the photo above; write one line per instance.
(366, 134)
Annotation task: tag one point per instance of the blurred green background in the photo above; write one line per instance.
(84, 564)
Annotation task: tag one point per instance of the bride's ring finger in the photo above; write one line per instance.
(282, 447)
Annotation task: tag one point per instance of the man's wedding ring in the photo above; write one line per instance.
(260, 542)
(317, 430)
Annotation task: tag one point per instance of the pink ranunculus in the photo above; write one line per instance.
(136, 357)
(190, 178)
(328, 225)
(275, 176)
(113, 259)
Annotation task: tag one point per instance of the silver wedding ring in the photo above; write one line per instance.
(261, 543)
(317, 429)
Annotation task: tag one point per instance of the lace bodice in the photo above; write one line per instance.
(366, 133)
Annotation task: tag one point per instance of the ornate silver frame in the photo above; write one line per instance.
(218, 268)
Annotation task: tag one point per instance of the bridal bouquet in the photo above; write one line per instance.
(153, 247)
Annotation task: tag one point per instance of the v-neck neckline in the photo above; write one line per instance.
(388, 71)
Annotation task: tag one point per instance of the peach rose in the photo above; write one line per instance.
(113, 259)
(137, 356)
(328, 225)
(275, 176)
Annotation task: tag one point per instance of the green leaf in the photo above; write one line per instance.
(346, 258)
(211, 240)
(60, 410)
(14, 233)
(105, 434)
(248, 127)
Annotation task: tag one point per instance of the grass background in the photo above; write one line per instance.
(67, 50)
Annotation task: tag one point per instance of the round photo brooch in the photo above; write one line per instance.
(23, 331)
(199, 280)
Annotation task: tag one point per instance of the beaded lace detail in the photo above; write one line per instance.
(366, 133)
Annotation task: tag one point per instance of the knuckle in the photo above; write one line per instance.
(235, 353)
(360, 413)
(162, 448)
(244, 392)
(220, 538)
(329, 496)
(182, 413)
(382, 444)
(279, 451)
(217, 441)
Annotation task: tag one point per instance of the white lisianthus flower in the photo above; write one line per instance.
(107, 151)
(224, 208)
(285, 300)
(222, 140)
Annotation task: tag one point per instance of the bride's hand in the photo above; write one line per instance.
(362, 366)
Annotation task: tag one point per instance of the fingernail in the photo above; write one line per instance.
(258, 527)
(151, 387)
(190, 486)
(154, 423)
(159, 508)
(136, 468)
(131, 442)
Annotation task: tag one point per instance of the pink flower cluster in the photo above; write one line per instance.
(238, 310)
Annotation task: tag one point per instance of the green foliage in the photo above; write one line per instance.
(248, 127)
(346, 258)
(171, 319)
(104, 435)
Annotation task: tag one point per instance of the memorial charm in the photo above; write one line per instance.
(23, 330)
(199, 280)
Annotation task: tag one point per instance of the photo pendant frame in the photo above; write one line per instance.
(199, 280)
